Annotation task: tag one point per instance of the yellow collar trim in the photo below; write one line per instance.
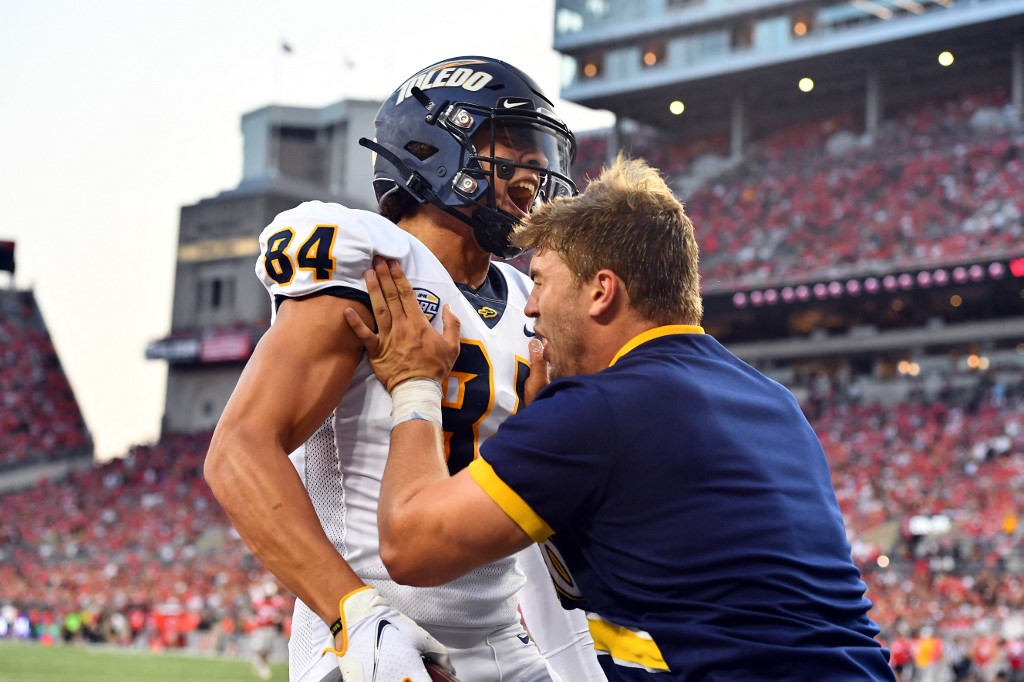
(656, 333)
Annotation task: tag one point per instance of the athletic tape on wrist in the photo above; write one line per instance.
(416, 399)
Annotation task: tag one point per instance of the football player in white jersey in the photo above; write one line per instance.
(462, 151)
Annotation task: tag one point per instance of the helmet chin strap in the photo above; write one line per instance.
(493, 230)
(483, 229)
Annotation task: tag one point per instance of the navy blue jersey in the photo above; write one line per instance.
(687, 506)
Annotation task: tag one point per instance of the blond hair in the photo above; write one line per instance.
(627, 221)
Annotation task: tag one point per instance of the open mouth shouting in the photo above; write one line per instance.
(521, 195)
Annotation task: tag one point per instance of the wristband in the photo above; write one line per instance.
(416, 399)
(336, 627)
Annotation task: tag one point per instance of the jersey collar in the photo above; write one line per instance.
(490, 299)
(656, 333)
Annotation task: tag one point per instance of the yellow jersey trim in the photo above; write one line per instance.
(623, 644)
(656, 333)
(509, 501)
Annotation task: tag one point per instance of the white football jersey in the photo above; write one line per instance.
(324, 248)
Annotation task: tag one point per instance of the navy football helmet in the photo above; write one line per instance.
(435, 139)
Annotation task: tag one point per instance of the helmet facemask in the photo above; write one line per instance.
(525, 156)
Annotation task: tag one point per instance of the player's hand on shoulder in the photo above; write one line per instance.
(377, 643)
(405, 346)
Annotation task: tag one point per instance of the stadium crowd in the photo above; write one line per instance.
(39, 417)
(133, 551)
(940, 183)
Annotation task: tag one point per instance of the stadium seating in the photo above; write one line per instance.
(140, 552)
(137, 549)
(942, 182)
(39, 417)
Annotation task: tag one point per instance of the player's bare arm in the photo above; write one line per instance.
(296, 376)
(422, 507)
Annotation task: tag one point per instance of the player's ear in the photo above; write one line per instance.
(607, 293)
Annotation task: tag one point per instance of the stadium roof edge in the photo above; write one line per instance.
(626, 30)
(597, 92)
(283, 114)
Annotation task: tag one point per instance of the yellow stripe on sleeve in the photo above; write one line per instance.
(509, 501)
(634, 647)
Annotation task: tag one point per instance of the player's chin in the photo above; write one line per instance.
(555, 370)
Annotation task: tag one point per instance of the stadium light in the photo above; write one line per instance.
(650, 59)
(800, 28)
(806, 84)
(1017, 267)
(892, 283)
(676, 107)
(946, 58)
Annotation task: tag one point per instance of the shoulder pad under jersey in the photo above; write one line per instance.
(318, 245)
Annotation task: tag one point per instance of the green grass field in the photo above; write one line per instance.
(34, 663)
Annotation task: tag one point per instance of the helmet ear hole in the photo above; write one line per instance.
(421, 150)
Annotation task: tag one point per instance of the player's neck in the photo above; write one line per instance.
(452, 243)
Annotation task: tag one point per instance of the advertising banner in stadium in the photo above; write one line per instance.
(214, 347)
(225, 347)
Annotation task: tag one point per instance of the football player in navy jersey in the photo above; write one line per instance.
(463, 150)
(683, 499)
